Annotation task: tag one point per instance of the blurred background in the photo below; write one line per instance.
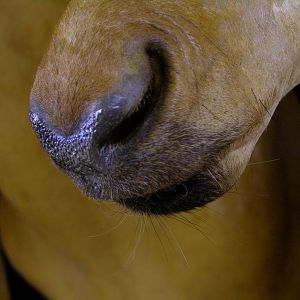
(245, 245)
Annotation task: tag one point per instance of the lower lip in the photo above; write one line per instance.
(195, 192)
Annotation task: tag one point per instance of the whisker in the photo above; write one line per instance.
(262, 104)
(248, 194)
(177, 243)
(138, 236)
(190, 224)
(131, 254)
(122, 210)
(198, 228)
(263, 162)
(213, 114)
(121, 221)
(159, 239)
(206, 207)
(214, 178)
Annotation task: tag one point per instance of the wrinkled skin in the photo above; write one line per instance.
(219, 71)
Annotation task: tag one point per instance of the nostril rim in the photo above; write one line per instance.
(70, 153)
(153, 94)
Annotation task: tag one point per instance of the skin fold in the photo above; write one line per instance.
(243, 59)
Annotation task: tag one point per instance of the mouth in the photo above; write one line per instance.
(193, 193)
(95, 160)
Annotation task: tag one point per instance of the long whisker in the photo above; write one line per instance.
(214, 211)
(248, 194)
(263, 162)
(197, 226)
(121, 211)
(121, 221)
(159, 239)
(177, 243)
(137, 240)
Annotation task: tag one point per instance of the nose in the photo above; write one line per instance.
(107, 120)
(113, 118)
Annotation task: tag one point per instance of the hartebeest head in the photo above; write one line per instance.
(159, 104)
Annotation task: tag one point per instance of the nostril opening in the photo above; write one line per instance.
(102, 124)
(154, 94)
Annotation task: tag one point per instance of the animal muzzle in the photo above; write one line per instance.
(127, 144)
(103, 122)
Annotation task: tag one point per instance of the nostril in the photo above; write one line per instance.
(114, 118)
(155, 91)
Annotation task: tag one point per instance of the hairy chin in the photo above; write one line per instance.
(187, 195)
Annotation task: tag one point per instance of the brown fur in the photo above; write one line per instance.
(46, 226)
(217, 102)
